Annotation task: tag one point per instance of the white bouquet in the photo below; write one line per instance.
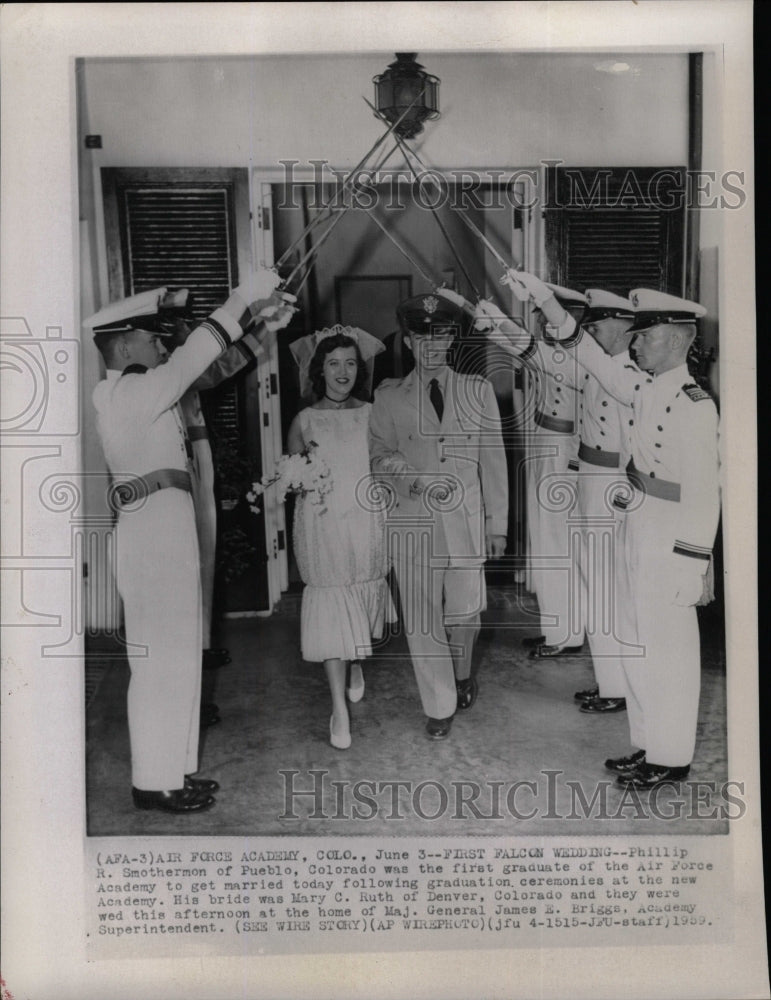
(305, 473)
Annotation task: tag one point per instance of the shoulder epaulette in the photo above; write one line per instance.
(387, 383)
(134, 370)
(695, 392)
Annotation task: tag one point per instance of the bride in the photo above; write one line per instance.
(340, 545)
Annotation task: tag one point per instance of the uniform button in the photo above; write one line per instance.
(604, 402)
(649, 380)
(657, 445)
(653, 475)
(442, 459)
(586, 374)
(660, 427)
(554, 413)
(602, 433)
(598, 447)
(669, 409)
(581, 391)
(631, 423)
(637, 386)
(441, 440)
(409, 436)
(559, 388)
(602, 419)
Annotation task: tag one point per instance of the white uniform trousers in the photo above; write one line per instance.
(435, 595)
(159, 582)
(664, 682)
(206, 524)
(604, 598)
(552, 558)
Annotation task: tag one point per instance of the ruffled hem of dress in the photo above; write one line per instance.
(341, 622)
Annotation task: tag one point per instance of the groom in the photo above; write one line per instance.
(435, 437)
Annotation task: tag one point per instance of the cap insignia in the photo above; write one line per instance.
(430, 304)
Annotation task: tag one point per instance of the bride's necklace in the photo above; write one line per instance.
(338, 404)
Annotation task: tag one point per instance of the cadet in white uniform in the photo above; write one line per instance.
(435, 436)
(603, 452)
(252, 346)
(669, 530)
(157, 560)
(551, 469)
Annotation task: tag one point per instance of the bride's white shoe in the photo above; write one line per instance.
(339, 740)
(355, 691)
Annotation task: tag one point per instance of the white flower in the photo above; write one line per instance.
(305, 473)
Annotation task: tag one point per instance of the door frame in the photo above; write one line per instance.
(262, 183)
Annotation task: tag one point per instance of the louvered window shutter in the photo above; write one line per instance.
(182, 234)
(617, 228)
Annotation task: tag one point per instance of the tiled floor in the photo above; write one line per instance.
(524, 728)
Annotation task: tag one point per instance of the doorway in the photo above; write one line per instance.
(360, 275)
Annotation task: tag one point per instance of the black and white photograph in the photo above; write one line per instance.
(380, 524)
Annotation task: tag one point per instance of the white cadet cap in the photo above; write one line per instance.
(137, 312)
(567, 296)
(605, 305)
(652, 308)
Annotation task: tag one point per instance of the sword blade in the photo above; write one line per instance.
(353, 173)
(439, 222)
(402, 250)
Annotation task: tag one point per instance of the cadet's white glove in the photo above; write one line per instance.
(258, 285)
(455, 298)
(521, 291)
(499, 329)
(488, 316)
(277, 311)
(536, 289)
(688, 581)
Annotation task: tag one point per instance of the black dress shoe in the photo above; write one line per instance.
(651, 775)
(533, 642)
(586, 695)
(468, 690)
(210, 714)
(599, 706)
(202, 784)
(213, 658)
(623, 765)
(438, 729)
(179, 800)
(553, 652)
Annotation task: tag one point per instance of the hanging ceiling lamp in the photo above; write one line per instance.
(404, 82)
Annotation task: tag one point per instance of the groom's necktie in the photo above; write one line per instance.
(435, 395)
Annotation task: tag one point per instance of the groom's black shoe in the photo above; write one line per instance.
(438, 729)
(468, 690)
(210, 714)
(214, 658)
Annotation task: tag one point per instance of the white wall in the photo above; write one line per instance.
(497, 109)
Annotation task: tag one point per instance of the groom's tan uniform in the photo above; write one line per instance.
(438, 548)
